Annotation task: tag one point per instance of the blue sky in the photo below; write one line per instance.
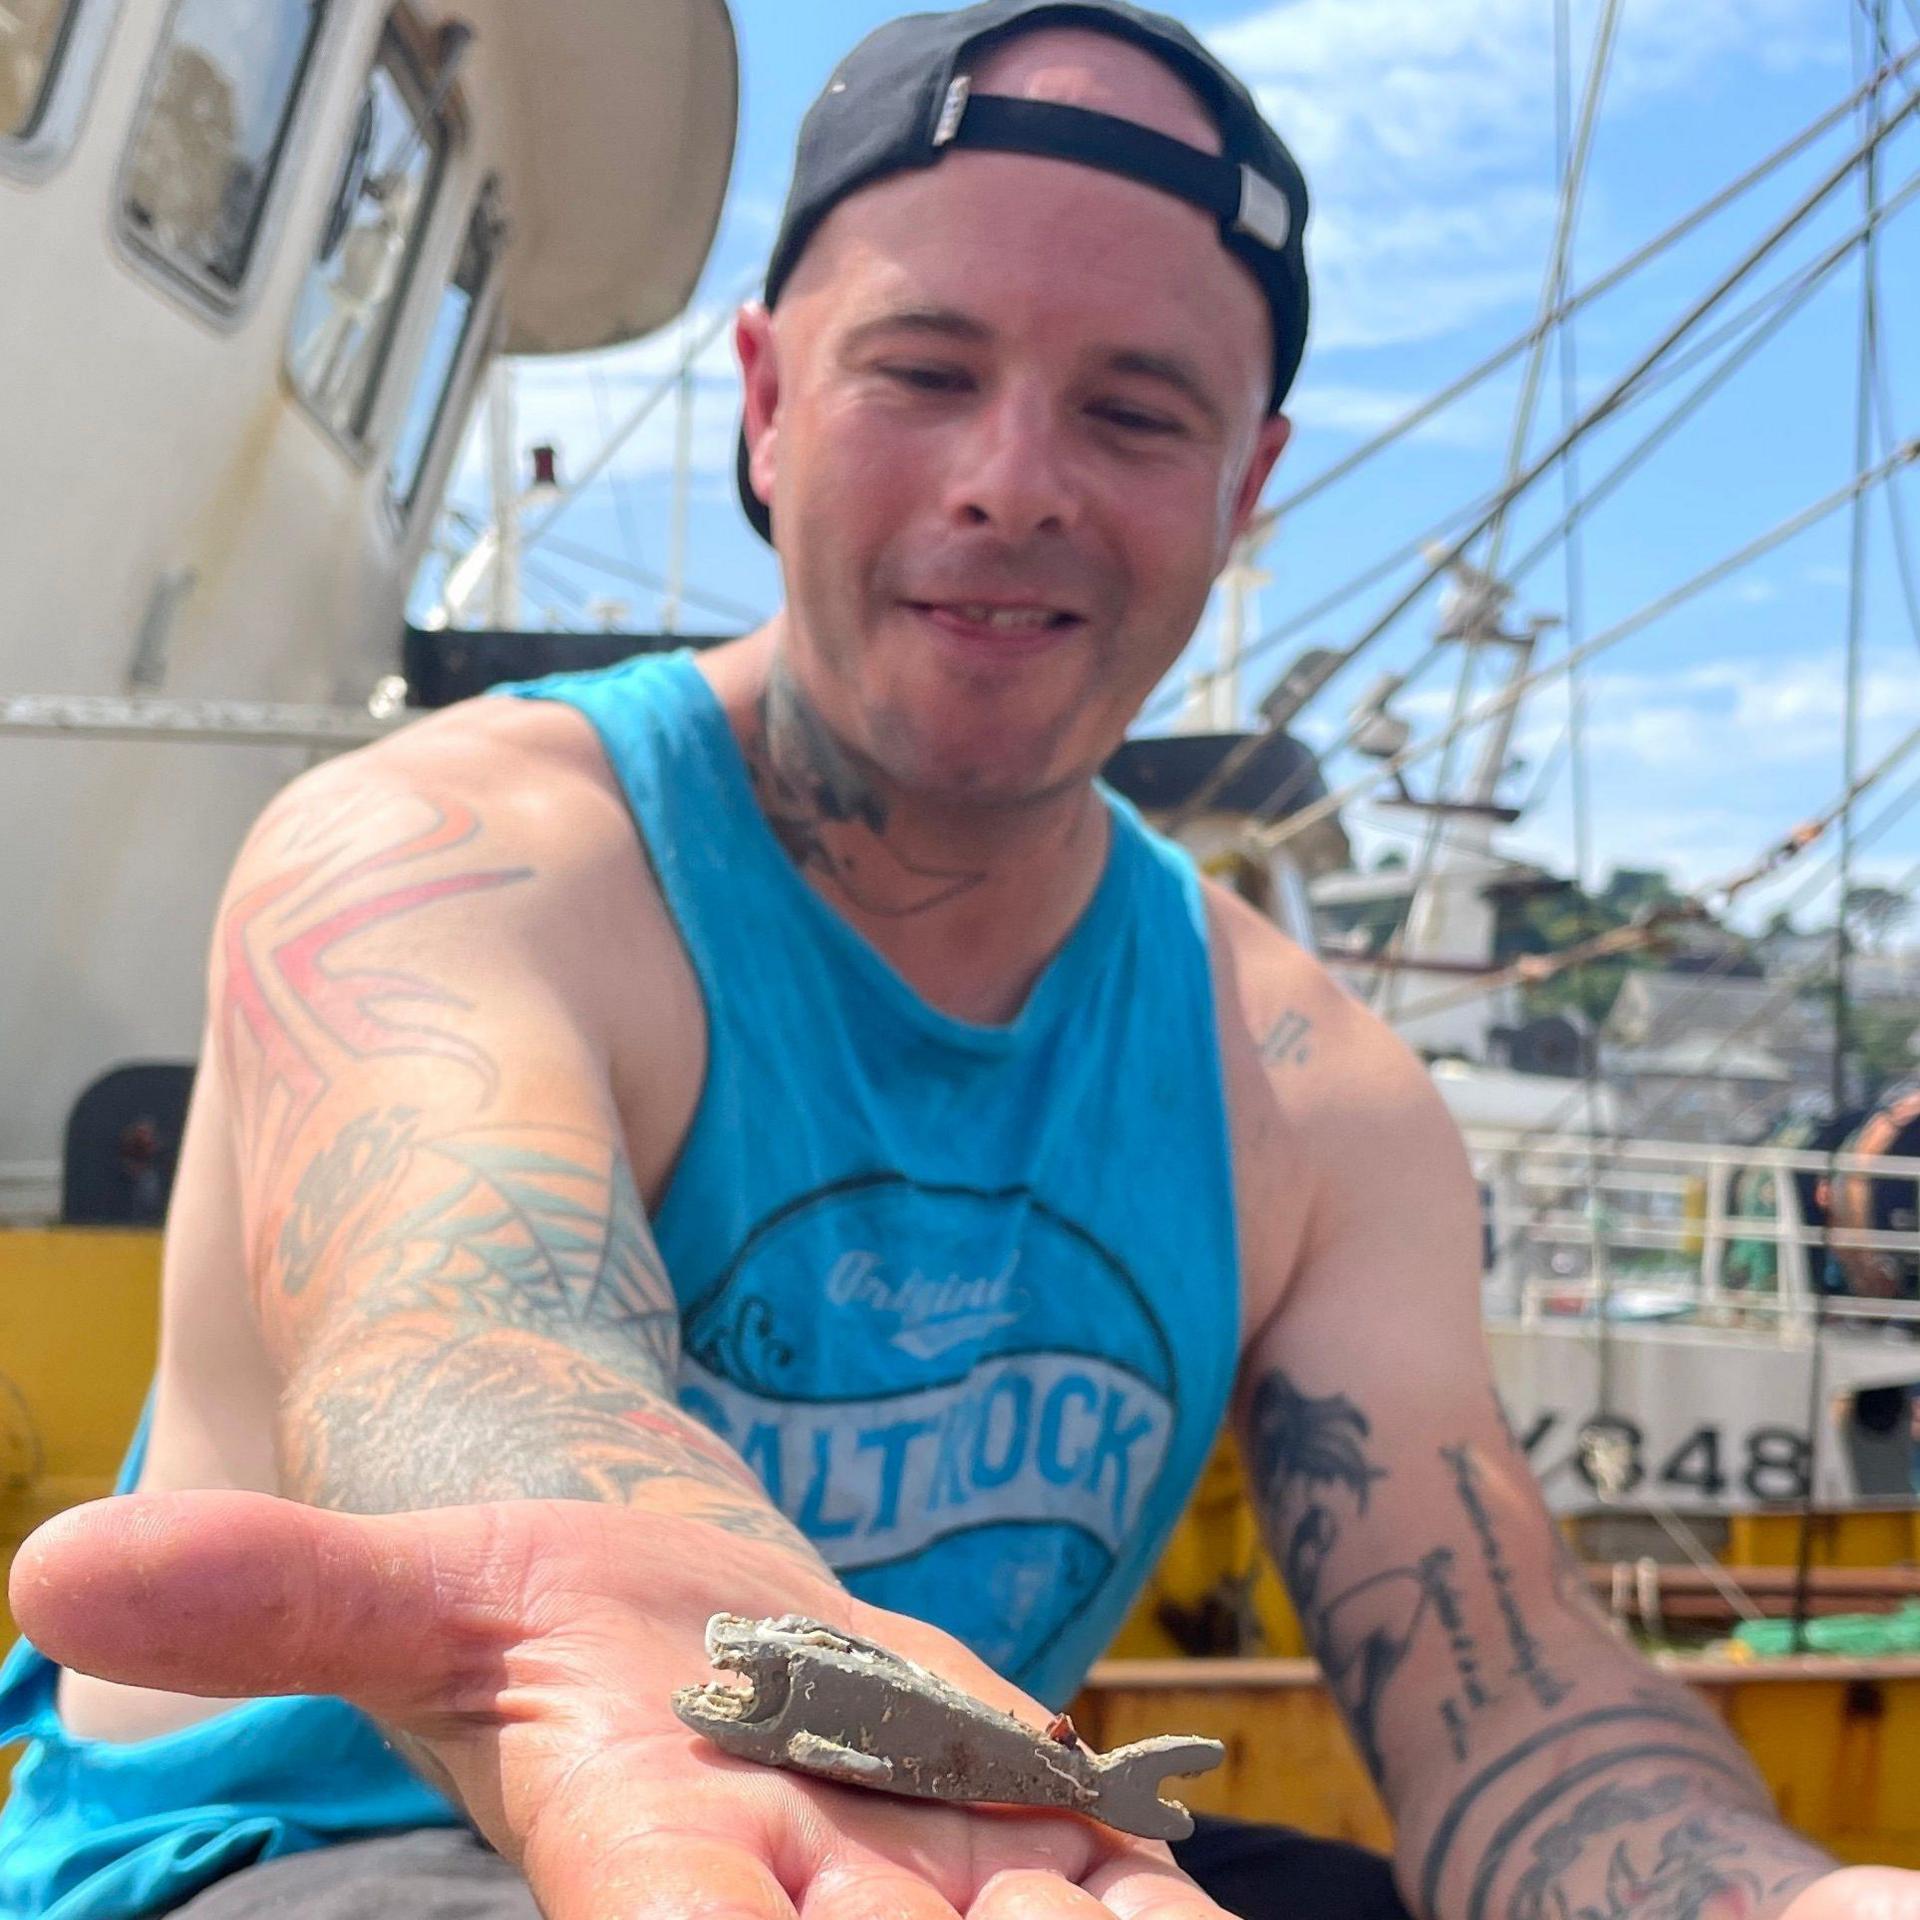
(1426, 128)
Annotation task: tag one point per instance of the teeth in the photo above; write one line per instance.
(1006, 619)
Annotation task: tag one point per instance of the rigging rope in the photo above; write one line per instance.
(1661, 243)
(1533, 969)
(1573, 548)
(1770, 310)
(1787, 988)
(1277, 833)
(1609, 403)
(1572, 182)
(1786, 299)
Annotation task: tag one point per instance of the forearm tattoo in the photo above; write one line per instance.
(1631, 1800)
(513, 1334)
(474, 1312)
(1649, 1849)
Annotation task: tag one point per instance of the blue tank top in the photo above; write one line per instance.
(965, 1298)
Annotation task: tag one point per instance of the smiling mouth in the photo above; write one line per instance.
(1018, 620)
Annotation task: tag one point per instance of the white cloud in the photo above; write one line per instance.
(644, 363)
(1696, 844)
(1666, 48)
(1387, 275)
(1362, 88)
(1740, 714)
(754, 214)
(1426, 130)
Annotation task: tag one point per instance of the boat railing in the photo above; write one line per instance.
(1683, 1233)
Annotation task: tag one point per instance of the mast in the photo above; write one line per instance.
(682, 479)
(1240, 583)
(502, 482)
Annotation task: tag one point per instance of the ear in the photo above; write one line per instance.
(760, 379)
(1268, 446)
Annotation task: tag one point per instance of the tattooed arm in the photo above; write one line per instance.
(1534, 1766)
(450, 1260)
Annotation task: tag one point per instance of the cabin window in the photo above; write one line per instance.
(447, 352)
(344, 323)
(33, 36)
(212, 130)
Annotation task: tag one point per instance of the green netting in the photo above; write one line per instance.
(1753, 1265)
(1863, 1636)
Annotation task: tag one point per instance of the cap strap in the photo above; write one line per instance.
(1242, 200)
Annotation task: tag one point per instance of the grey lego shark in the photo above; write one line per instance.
(826, 1703)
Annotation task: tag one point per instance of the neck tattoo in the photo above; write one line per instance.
(830, 815)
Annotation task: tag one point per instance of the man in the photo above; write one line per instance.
(878, 1172)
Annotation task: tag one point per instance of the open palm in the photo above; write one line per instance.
(527, 1651)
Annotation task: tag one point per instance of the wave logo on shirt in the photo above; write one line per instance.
(961, 1397)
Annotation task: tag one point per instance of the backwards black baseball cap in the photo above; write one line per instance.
(903, 98)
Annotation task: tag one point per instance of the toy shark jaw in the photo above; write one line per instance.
(747, 1649)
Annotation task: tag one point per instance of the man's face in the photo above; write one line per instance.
(1011, 415)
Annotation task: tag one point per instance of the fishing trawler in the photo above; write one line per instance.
(1703, 1334)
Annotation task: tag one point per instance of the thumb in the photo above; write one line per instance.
(237, 1594)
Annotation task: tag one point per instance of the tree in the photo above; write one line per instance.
(1630, 889)
(1550, 922)
(1873, 912)
(1882, 1037)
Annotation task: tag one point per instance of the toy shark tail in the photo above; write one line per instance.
(1131, 1778)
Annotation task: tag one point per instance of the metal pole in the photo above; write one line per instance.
(1803, 1556)
(1850, 751)
(504, 480)
(1856, 596)
(682, 475)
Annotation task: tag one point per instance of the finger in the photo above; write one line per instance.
(237, 1594)
(874, 1890)
(576, 1874)
(1136, 1886)
(1859, 1893)
(1027, 1893)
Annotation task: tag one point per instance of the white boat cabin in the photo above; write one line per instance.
(255, 256)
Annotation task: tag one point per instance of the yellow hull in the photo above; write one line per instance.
(79, 1319)
(1833, 1738)
(78, 1324)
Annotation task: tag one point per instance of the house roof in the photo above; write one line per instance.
(1665, 1010)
